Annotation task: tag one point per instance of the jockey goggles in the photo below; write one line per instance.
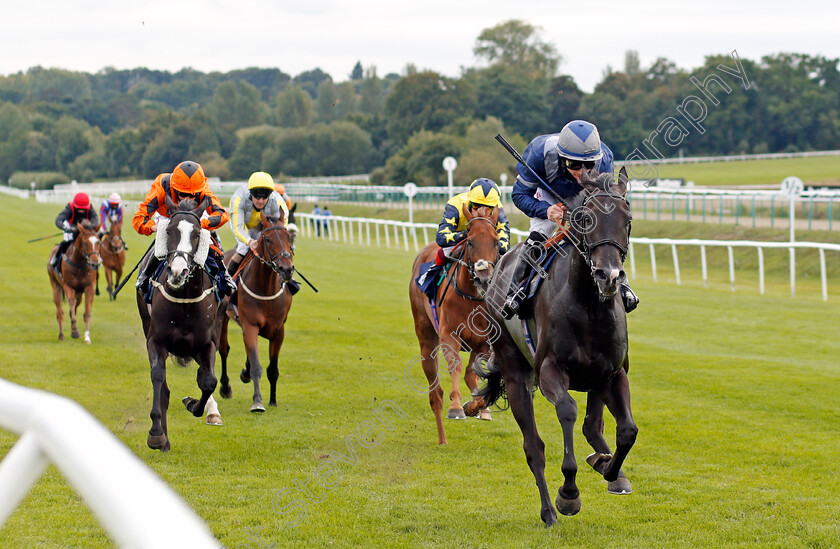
(260, 193)
(577, 164)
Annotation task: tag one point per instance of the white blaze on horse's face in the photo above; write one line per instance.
(179, 265)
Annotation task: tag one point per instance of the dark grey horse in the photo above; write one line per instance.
(180, 320)
(580, 341)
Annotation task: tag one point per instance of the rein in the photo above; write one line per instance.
(589, 246)
(470, 266)
(270, 263)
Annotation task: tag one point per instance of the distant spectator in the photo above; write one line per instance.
(326, 213)
(317, 211)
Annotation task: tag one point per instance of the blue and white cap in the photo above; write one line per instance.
(579, 140)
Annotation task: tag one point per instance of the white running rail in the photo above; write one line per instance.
(133, 504)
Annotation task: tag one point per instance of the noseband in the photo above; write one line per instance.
(270, 262)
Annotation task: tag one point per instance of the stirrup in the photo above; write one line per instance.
(629, 298)
(510, 308)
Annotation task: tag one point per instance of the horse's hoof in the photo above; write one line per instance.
(192, 406)
(87, 338)
(226, 392)
(484, 414)
(75, 334)
(549, 517)
(257, 408)
(567, 507)
(158, 442)
(273, 403)
(61, 337)
(214, 419)
(620, 486)
(598, 461)
(455, 413)
(244, 376)
(96, 292)
(470, 408)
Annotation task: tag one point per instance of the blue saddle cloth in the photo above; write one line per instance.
(429, 278)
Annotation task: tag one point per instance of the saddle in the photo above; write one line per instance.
(533, 281)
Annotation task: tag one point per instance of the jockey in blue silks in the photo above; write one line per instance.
(558, 159)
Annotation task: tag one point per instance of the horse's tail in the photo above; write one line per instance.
(494, 389)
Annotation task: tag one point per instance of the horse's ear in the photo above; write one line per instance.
(293, 208)
(205, 203)
(170, 204)
(621, 184)
(282, 217)
(264, 220)
(588, 177)
(467, 213)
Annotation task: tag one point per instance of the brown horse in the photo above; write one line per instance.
(263, 300)
(79, 268)
(113, 257)
(462, 322)
(579, 335)
(181, 317)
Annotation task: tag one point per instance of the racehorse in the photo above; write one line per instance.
(79, 268)
(580, 341)
(263, 300)
(459, 307)
(113, 256)
(181, 317)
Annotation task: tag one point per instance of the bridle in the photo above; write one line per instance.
(189, 257)
(588, 247)
(87, 255)
(283, 254)
(473, 267)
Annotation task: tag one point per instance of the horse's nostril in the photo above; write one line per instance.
(600, 274)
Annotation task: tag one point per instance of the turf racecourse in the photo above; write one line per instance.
(735, 396)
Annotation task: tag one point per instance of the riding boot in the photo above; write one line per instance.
(62, 247)
(144, 275)
(524, 264)
(232, 267)
(631, 301)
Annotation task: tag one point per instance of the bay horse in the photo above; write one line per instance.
(579, 339)
(263, 300)
(459, 306)
(113, 256)
(181, 317)
(79, 268)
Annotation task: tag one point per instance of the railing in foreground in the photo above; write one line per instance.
(370, 231)
(134, 506)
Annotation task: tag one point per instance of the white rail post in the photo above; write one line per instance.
(19, 471)
(405, 236)
(632, 262)
(731, 267)
(396, 237)
(823, 275)
(676, 263)
(377, 233)
(703, 266)
(387, 237)
(425, 236)
(760, 270)
(792, 272)
(367, 229)
(653, 261)
(414, 234)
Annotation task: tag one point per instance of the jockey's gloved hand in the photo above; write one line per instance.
(65, 225)
(69, 236)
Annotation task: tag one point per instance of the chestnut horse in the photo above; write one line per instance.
(113, 256)
(462, 323)
(181, 318)
(263, 300)
(79, 268)
(579, 343)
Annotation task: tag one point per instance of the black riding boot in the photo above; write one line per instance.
(144, 275)
(631, 301)
(529, 255)
(62, 247)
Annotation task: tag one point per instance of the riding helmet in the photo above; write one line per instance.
(260, 180)
(485, 192)
(81, 201)
(579, 140)
(115, 199)
(188, 178)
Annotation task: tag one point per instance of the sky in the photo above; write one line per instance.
(296, 36)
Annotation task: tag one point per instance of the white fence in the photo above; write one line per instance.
(408, 236)
(732, 157)
(134, 506)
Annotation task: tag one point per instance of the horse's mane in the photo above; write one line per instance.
(187, 204)
(87, 225)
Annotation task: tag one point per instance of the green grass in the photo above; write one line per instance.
(815, 170)
(734, 394)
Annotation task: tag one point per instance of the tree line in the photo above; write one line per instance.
(57, 125)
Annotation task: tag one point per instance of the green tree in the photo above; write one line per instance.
(517, 44)
(357, 73)
(521, 103)
(293, 107)
(325, 105)
(347, 99)
(248, 155)
(371, 90)
(420, 160)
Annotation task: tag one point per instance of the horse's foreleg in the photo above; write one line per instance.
(108, 286)
(476, 406)
(205, 379)
(593, 430)
(59, 312)
(449, 348)
(273, 372)
(522, 405)
(554, 385)
(617, 398)
(72, 305)
(88, 306)
(158, 439)
(224, 351)
(250, 334)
